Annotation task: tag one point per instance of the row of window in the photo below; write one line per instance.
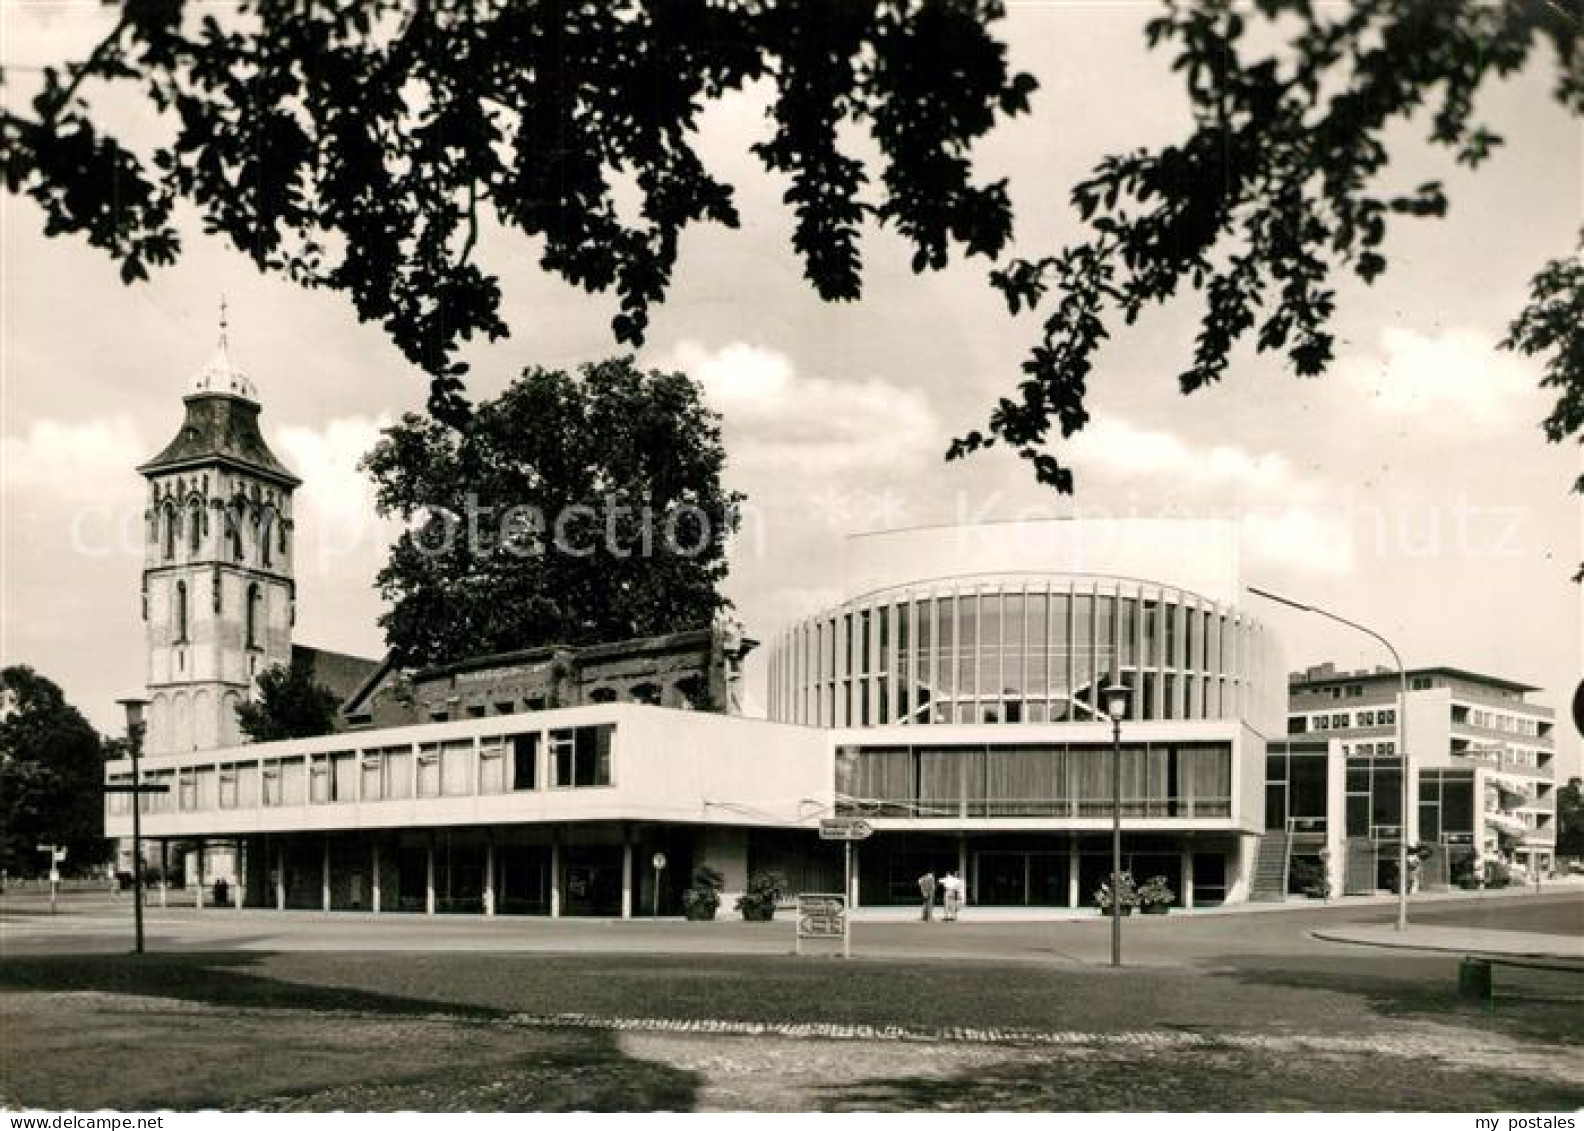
(1369, 749)
(1177, 779)
(1495, 720)
(563, 758)
(1342, 720)
(270, 536)
(887, 662)
(254, 607)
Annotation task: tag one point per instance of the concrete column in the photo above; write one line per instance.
(239, 888)
(164, 869)
(857, 855)
(198, 875)
(555, 877)
(1074, 896)
(324, 875)
(1186, 882)
(374, 878)
(429, 877)
(627, 875)
(280, 877)
(489, 875)
(962, 861)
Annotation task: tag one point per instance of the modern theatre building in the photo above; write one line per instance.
(951, 698)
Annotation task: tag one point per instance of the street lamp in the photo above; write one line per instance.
(1402, 736)
(1115, 696)
(134, 728)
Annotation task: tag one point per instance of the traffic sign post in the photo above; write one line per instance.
(659, 863)
(846, 830)
(823, 916)
(57, 856)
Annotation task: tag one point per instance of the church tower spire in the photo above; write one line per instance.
(218, 586)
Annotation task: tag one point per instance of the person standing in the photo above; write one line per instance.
(951, 899)
(926, 884)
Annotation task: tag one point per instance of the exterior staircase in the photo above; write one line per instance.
(1270, 868)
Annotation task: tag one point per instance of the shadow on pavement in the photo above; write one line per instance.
(263, 1043)
(1416, 988)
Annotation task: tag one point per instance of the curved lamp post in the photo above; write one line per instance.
(1115, 696)
(1402, 736)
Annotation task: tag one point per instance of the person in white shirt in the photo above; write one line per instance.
(952, 885)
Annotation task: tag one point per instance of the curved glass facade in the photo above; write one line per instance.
(1023, 649)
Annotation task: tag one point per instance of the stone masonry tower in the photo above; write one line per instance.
(218, 591)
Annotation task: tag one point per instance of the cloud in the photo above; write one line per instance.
(87, 460)
(334, 509)
(1285, 518)
(778, 418)
(1457, 376)
(1121, 448)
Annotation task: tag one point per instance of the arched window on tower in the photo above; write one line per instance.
(265, 532)
(234, 527)
(181, 612)
(255, 601)
(170, 532)
(195, 531)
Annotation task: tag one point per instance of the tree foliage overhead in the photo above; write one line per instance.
(356, 147)
(289, 704)
(576, 509)
(1281, 185)
(51, 774)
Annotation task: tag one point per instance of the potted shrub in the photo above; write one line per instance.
(701, 900)
(1128, 895)
(1309, 877)
(1155, 897)
(765, 890)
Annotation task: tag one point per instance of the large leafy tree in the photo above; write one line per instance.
(360, 147)
(575, 509)
(1280, 186)
(1570, 818)
(51, 774)
(289, 704)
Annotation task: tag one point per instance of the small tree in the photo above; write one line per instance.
(289, 705)
(1570, 818)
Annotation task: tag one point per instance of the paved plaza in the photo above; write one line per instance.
(255, 1009)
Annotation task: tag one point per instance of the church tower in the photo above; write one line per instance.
(218, 591)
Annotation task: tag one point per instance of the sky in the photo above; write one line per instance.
(1410, 488)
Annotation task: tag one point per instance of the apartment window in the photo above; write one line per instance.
(1366, 718)
(429, 771)
(1355, 690)
(456, 769)
(581, 756)
(1420, 683)
(1321, 722)
(525, 761)
(228, 787)
(1339, 722)
(398, 772)
(272, 785)
(1387, 717)
(373, 777)
(319, 780)
(492, 765)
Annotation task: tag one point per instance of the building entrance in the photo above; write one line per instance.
(1019, 879)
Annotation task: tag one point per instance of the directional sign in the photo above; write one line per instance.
(845, 828)
(821, 916)
(659, 860)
